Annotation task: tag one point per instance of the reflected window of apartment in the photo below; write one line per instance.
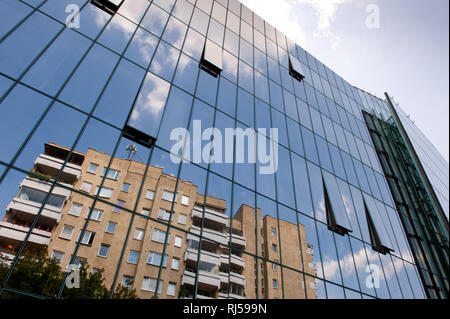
(169, 196)
(182, 219)
(87, 239)
(149, 284)
(274, 265)
(127, 281)
(145, 212)
(111, 174)
(150, 194)
(165, 215)
(117, 209)
(96, 214)
(57, 255)
(105, 192)
(295, 68)
(92, 168)
(274, 248)
(155, 259)
(111, 228)
(275, 283)
(86, 187)
(109, 6)
(178, 241)
(75, 209)
(139, 234)
(95, 270)
(77, 261)
(185, 200)
(175, 263)
(211, 61)
(125, 187)
(171, 289)
(103, 251)
(66, 232)
(159, 236)
(274, 232)
(133, 257)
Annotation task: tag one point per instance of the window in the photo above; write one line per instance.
(178, 241)
(211, 61)
(185, 200)
(96, 214)
(171, 289)
(38, 196)
(274, 265)
(127, 281)
(275, 283)
(95, 270)
(337, 218)
(86, 187)
(111, 228)
(103, 252)
(175, 263)
(117, 208)
(165, 215)
(379, 236)
(182, 219)
(112, 174)
(133, 257)
(66, 232)
(150, 194)
(155, 259)
(145, 212)
(274, 248)
(109, 6)
(274, 232)
(169, 196)
(125, 187)
(57, 255)
(75, 210)
(138, 234)
(92, 168)
(88, 237)
(78, 260)
(104, 192)
(295, 68)
(149, 284)
(160, 236)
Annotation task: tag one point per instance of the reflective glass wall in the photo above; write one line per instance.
(291, 203)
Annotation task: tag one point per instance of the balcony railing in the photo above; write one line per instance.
(206, 278)
(51, 165)
(232, 278)
(18, 233)
(23, 206)
(235, 260)
(206, 256)
(210, 234)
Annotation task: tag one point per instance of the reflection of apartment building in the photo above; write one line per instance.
(132, 250)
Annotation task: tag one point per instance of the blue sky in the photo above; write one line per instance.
(407, 56)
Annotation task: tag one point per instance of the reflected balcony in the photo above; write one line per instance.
(206, 256)
(234, 259)
(26, 210)
(233, 277)
(207, 281)
(17, 233)
(238, 241)
(231, 296)
(213, 219)
(50, 165)
(210, 234)
(43, 186)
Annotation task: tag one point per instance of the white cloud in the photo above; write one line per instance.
(290, 17)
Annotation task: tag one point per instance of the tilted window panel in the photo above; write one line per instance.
(109, 6)
(211, 61)
(295, 68)
(381, 241)
(337, 217)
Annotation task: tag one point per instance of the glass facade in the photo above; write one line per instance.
(258, 179)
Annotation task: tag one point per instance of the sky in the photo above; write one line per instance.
(395, 46)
